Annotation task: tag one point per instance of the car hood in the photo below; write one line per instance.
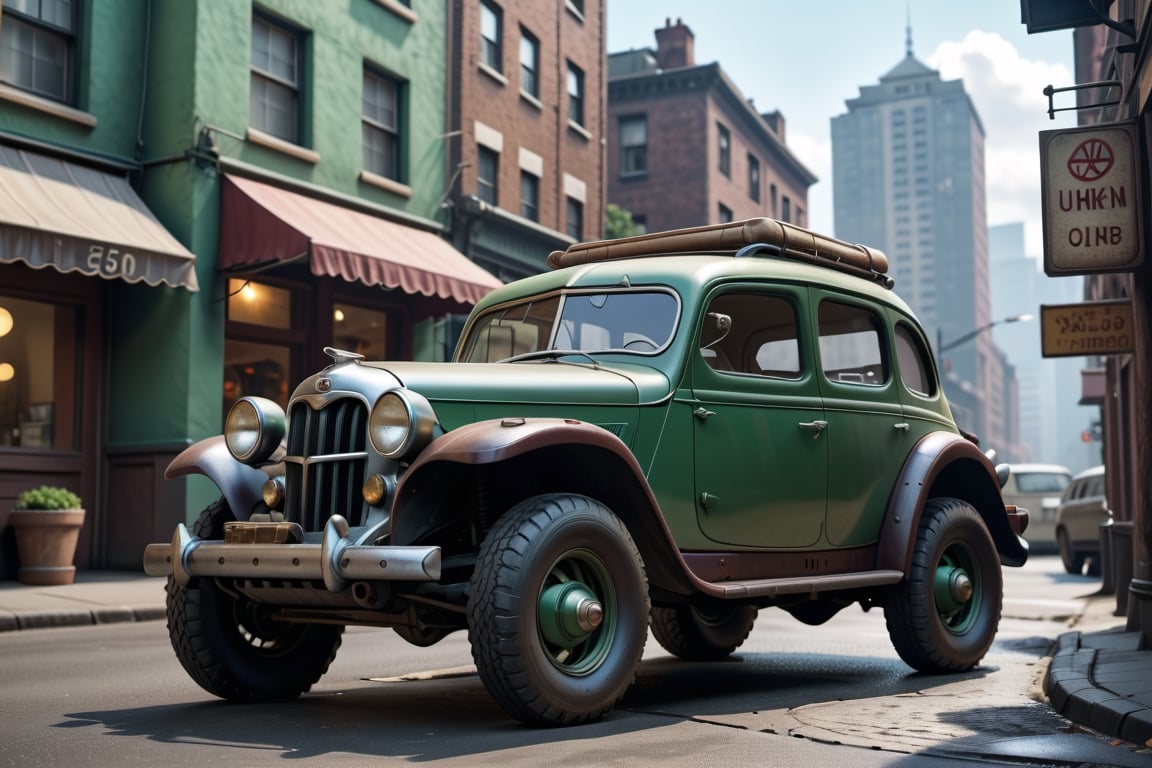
(546, 382)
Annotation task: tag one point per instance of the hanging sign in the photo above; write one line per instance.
(1090, 328)
(1090, 188)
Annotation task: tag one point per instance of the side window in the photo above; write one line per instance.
(850, 347)
(753, 334)
(914, 361)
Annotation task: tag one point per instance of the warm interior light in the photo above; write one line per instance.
(7, 371)
(338, 315)
(248, 292)
(5, 321)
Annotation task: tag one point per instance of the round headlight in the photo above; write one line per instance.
(254, 428)
(401, 425)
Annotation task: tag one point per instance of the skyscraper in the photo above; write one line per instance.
(908, 178)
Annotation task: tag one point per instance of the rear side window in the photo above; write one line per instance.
(850, 347)
(914, 361)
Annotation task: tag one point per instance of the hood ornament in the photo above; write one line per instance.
(340, 356)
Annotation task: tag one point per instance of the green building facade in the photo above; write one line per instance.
(238, 185)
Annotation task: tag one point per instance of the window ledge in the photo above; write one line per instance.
(387, 184)
(398, 9)
(497, 76)
(40, 104)
(532, 100)
(280, 145)
(634, 176)
(579, 129)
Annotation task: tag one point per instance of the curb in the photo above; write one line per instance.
(1076, 685)
(10, 622)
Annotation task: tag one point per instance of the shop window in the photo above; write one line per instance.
(258, 369)
(360, 330)
(40, 365)
(259, 304)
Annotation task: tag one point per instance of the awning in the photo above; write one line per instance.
(77, 219)
(264, 224)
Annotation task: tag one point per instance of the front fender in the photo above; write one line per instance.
(945, 464)
(239, 483)
(606, 470)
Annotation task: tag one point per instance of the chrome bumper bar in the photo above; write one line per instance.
(335, 561)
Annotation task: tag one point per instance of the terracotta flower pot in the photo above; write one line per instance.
(46, 544)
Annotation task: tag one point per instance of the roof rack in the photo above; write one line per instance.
(759, 236)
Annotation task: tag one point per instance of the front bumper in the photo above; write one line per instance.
(336, 560)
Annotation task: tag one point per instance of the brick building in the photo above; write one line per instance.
(686, 148)
(525, 129)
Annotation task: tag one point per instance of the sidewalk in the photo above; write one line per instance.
(1098, 677)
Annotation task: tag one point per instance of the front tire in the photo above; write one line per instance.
(702, 634)
(557, 610)
(943, 616)
(232, 647)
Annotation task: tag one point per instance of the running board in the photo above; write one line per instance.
(799, 585)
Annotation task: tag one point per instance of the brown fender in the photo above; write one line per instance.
(624, 487)
(944, 464)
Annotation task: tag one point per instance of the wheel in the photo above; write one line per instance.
(557, 610)
(943, 616)
(1073, 561)
(232, 647)
(702, 634)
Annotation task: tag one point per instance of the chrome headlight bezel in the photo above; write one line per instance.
(401, 424)
(254, 429)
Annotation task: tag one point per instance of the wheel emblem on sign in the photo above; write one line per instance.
(1091, 160)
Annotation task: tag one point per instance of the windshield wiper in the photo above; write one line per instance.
(550, 354)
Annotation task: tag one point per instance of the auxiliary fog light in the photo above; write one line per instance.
(376, 489)
(273, 492)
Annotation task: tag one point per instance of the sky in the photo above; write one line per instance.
(807, 58)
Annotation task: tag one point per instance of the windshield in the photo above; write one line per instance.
(640, 322)
(1042, 482)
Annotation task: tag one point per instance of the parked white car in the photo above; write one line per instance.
(1038, 488)
(1083, 509)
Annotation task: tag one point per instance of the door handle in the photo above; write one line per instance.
(708, 501)
(902, 426)
(817, 426)
(703, 413)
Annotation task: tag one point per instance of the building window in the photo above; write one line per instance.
(37, 40)
(381, 125)
(754, 177)
(529, 196)
(575, 94)
(725, 151)
(634, 145)
(487, 175)
(276, 77)
(41, 356)
(529, 64)
(574, 222)
(640, 221)
(725, 213)
(786, 208)
(772, 200)
(491, 34)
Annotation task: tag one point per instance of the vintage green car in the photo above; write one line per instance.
(670, 431)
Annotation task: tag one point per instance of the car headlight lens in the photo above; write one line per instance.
(401, 425)
(254, 428)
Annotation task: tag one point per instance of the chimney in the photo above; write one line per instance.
(775, 120)
(674, 46)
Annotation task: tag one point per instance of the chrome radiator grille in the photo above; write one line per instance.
(324, 467)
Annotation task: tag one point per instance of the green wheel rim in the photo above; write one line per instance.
(956, 589)
(576, 613)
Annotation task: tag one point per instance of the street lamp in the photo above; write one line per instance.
(941, 347)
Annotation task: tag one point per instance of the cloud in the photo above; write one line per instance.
(1008, 93)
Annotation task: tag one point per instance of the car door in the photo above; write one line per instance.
(761, 460)
(868, 437)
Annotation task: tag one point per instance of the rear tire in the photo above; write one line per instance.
(943, 616)
(708, 634)
(232, 647)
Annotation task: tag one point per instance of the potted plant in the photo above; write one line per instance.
(47, 522)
